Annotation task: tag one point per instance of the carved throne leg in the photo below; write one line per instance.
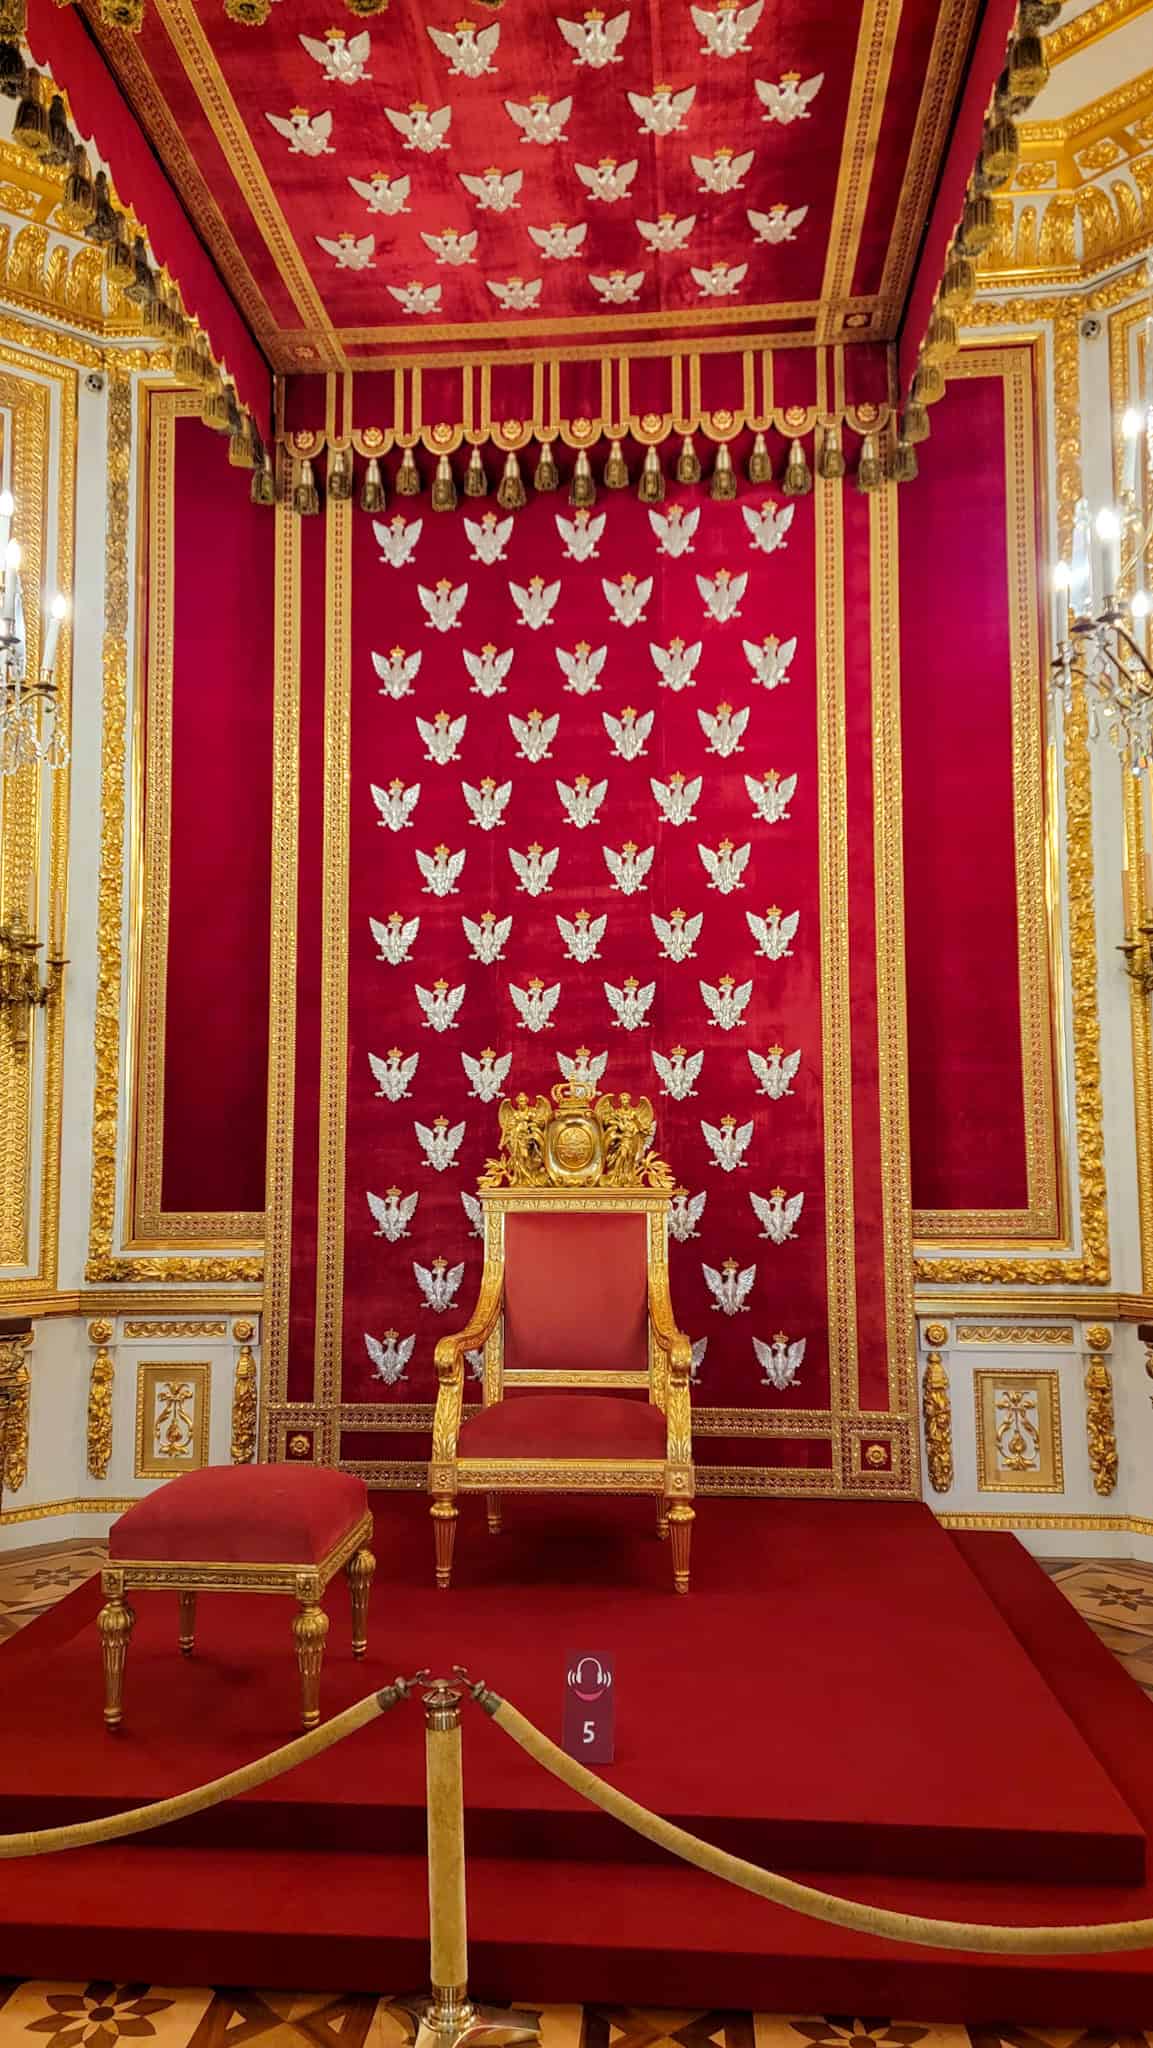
(359, 1570)
(115, 1623)
(493, 1504)
(681, 1519)
(445, 1514)
(663, 1520)
(187, 1623)
(309, 1629)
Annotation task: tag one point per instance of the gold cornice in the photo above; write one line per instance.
(996, 1301)
(1068, 37)
(1132, 98)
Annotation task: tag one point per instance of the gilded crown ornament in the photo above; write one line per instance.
(577, 1140)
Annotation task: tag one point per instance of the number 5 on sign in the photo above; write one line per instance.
(589, 1707)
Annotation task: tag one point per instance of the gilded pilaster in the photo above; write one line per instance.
(244, 1395)
(100, 1383)
(1100, 1427)
(15, 1401)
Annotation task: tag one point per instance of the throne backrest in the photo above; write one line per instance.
(576, 1291)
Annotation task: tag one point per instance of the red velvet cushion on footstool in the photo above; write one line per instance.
(252, 1514)
(565, 1426)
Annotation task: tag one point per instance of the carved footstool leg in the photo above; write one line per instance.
(681, 1519)
(360, 1569)
(309, 1629)
(445, 1513)
(493, 1504)
(115, 1623)
(663, 1520)
(187, 1623)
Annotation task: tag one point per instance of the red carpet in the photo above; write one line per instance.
(848, 1688)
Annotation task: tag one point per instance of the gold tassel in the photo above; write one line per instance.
(1035, 16)
(978, 228)
(118, 265)
(904, 462)
(869, 476)
(305, 496)
(476, 476)
(443, 486)
(1000, 152)
(546, 476)
(651, 487)
(30, 127)
(958, 284)
(341, 478)
(263, 487)
(941, 338)
(688, 463)
(216, 411)
(11, 71)
(1027, 68)
(243, 445)
(78, 207)
(759, 465)
(142, 290)
(831, 459)
(372, 492)
(105, 223)
(407, 483)
(798, 477)
(249, 13)
(723, 481)
(582, 489)
(928, 383)
(616, 474)
(915, 423)
(13, 19)
(510, 492)
(59, 145)
(125, 14)
(160, 316)
(367, 7)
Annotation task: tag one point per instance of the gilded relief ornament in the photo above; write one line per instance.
(534, 735)
(581, 669)
(778, 1214)
(488, 1074)
(541, 121)
(396, 804)
(768, 524)
(678, 1071)
(724, 729)
(726, 866)
(389, 1355)
(397, 539)
(535, 1004)
(937, 1413)
(594, 41)
(488, 669)
(629, 868)
(780, 1361)
(607, 179)
(583, 1070)
(488, 537)
(423, 129)
(772, 795)
(685, 1212)
(392, 1075)
(678, 934)
(488, 803)
(442, 736)
(729, 1286)
(790, 99)
(727, 1001)
(581, 534)
(774, 932)
(628, 598)
(582, 935)
(469, 50)
(662, 111)
(675, 529)
(383, 194)
(495, 191)
(535, 601)
(721, 594)
(440, 1142)
(676, 797)
(438, 1283)
(441, 870)
(728, 1142)
(582, 800)
(440, 1004)
(395, 937)
(245, 1407)
(576, 1140)
(392, 1213)
(726, 29)
(770, 661)
(100, 1382)
(630, 1003)
(775, 1070)
(723, 171)
(488, 937)
(444, 604)
(534, 870)
(397, 671)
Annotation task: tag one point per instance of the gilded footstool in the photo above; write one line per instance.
(240, 1529)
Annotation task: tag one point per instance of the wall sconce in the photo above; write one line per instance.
(1138, 955)
(21, 988)
(30, 728)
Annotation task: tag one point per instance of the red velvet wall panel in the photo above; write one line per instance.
(978, 1071)
(216, 997)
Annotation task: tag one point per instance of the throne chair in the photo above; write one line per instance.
(586, 1375)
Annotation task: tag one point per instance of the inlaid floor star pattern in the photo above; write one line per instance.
(1115, 1598)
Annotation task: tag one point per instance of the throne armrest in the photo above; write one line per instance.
(676, 1346)
(449, 1353)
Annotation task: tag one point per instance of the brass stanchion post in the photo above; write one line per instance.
(451, 2019)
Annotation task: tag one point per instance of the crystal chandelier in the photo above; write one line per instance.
(1103, 600)
(31, 732)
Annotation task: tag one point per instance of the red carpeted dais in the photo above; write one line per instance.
(848, 1690)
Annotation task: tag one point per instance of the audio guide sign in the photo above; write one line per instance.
(589, 1707)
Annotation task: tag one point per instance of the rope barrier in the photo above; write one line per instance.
(139, 1819)
(1107, 1938)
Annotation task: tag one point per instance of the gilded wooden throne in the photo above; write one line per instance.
(586, 1375)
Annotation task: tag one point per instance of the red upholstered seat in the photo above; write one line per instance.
(242, 1514)
(565, 1426)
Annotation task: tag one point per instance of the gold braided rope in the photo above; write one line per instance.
(139, 1819)
(1105, 1939)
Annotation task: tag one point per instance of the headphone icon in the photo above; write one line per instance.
(589, 1671)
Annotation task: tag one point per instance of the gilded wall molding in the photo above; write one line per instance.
(937, 1413)
(100, 1383)
(1018, 1431)
(244, 1416)
(1100, 1427)
(15, 1407)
